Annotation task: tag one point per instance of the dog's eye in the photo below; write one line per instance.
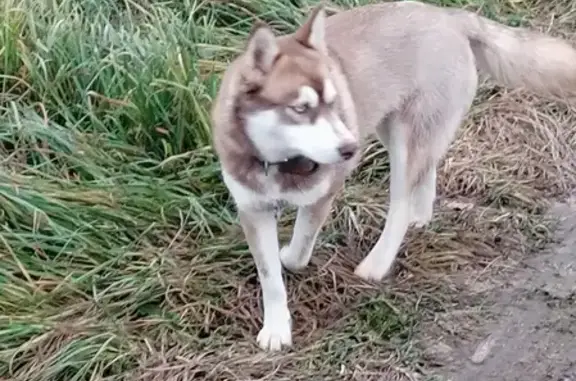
(300, 109)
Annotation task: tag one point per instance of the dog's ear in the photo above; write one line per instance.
(312, 32)
(262, 48)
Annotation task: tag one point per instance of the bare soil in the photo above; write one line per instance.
(525, 326)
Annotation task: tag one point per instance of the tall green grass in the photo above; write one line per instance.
(105, 155)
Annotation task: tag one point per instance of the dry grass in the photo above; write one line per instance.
(158, 283)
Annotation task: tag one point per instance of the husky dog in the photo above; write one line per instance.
(292, 113)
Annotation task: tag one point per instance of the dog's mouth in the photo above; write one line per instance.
(295, 165)
(298, 165)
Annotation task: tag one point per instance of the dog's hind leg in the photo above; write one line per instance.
(381, 257)
(424, 193)
(415, 145)
(417, 136)
(423, 196)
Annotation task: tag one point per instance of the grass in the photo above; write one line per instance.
(120, 253)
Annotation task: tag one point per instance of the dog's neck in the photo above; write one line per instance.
(296, 165)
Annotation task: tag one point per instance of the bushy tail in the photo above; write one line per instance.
(520, 58)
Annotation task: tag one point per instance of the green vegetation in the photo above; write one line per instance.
(120, 256)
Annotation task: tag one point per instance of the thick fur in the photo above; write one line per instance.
(404, 71)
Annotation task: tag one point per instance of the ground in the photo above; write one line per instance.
(528, 330)
(121, 257)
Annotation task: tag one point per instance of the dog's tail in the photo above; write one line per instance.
(520, 58)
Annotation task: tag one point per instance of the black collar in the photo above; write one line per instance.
(296, 165)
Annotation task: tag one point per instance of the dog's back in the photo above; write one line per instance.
(392, 50)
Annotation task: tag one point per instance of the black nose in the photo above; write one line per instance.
(348, 150)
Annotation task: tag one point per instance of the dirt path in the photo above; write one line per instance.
(532, 335)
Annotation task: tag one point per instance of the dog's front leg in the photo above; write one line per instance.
(309, 221)
(261, 234)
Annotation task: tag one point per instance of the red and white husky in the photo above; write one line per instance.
(293, 111)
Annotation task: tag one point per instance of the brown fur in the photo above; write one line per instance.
(245, 89)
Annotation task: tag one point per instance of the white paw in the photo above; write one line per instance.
(291, 260)
(420, 222)
(275, 335)
(420, 219)
(370, 271)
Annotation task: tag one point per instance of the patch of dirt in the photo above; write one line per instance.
(526, 329)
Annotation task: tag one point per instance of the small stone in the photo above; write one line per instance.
(483, 350)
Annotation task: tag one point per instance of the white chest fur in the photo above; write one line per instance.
(246, 197)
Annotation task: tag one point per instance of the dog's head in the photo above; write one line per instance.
(290, 100)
